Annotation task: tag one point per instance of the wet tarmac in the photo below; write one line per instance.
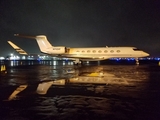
(52, 90)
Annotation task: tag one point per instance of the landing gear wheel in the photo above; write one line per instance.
(137, 61)
(77, 62)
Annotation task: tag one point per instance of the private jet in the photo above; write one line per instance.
(86, 54)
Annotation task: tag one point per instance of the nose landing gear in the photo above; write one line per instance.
(137, 61)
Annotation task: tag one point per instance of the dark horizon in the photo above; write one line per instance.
(85, 23)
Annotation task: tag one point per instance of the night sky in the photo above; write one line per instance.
(81, 23)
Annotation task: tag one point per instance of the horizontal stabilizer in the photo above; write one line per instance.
(25, 36)
(18, 49)
(42, 41)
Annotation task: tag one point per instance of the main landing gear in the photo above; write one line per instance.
(77, 62)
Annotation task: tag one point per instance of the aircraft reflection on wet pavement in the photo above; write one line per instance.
(18, 90)
(45, 91)
(99, 78)
(44, 85)
(92, 78)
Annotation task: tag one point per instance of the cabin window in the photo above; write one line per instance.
(105, 51)
(83, 51)
(77, 51)
(111, 51)
(99, 51)
(88, 51)
(118, 51)
(93, 51)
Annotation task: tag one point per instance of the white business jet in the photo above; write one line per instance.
(85, 54)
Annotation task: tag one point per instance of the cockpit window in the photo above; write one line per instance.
(135, 49)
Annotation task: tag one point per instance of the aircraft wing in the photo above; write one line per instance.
(94, 59)
(88, 59)
(18, 49)
(83, 58)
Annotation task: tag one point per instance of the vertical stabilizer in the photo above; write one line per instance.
(43, 42)
(43, 87)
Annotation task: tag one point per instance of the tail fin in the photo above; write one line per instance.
(18, 49)
(42, 41)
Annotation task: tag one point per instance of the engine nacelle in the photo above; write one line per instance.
(59, 50)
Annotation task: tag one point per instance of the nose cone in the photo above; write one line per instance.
(146, 54)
